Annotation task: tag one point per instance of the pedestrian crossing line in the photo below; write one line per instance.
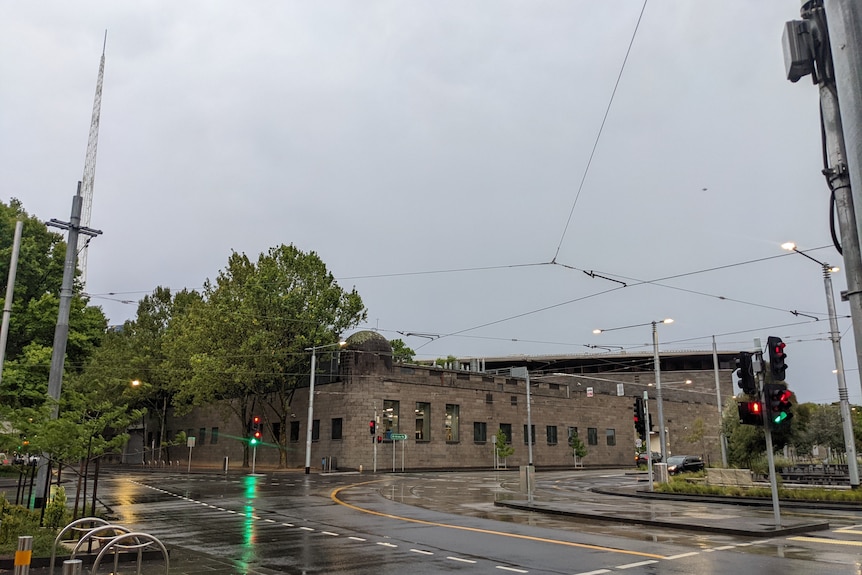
(270, 520)
(288, 524)
(827, 541)
(330, 533)
(422, 552)
(638, 564)
(512, 569)
(307, 528)
(386, 544)
(682, 555)
(354, 538)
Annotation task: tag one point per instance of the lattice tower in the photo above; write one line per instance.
(90, 169)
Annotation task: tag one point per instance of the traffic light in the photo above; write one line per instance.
(372, 426)
(745, 373)
(750, 413)
(640, 420)
(255, 430)
(776, 357)
(778, 406)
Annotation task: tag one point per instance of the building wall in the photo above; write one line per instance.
(366, 384)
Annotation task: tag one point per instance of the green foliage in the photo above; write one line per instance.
(57, 515)
(400, 352)
(451, 359)
(246, 340)
(577, 446)
(504, 450)
(683, 485)
(16, 520)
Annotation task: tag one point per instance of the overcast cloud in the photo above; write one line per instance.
(396, 137)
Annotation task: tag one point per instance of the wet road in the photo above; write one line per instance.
(436, 523)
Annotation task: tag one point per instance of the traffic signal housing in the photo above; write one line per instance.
(255, 430)
(777, 356)
(639, 418)
(745, 373)
(778, 405)
(372, 426)
(750, 412)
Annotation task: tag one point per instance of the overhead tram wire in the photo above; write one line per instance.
(599, 134)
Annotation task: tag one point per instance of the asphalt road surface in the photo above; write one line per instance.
(414, 524)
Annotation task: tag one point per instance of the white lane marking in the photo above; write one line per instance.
(512, 569)
(385, 544)
(461, 560)
(681, 555)
(421, 552)
(725, 548)
(638, 564)
(253, 516)
(744, 544)
(596, 572)
(330, 533)
(306, 528)
(760, 542)
(230, 510)
(288, 524)
(269, 520)
(357, 538)
(220, 508)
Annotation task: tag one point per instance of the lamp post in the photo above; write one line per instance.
(835, 336)
(313, 351)
(657, 367)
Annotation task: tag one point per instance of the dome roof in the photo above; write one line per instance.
(369, 341)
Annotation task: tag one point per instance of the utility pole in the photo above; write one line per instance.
(10, 290)
(767, 431)
(61, 331)
(809, 45)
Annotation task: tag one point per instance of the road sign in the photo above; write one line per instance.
(398, 436)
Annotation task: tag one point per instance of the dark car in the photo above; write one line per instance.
(684, 464)
(641, 458)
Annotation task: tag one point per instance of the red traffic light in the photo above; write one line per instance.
(372, 427)
(750, 413)
(255, 420)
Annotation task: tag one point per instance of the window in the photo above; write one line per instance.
(336, 428)
(532, 434)
(571, 432)
(552, 434)
(276, 431)
(480, 431)
(592, 436)
(506, 428)
(514, 400)
(489, 398)
(611, 436)
(389, 421)
(294, 431)
(202, 436)
(214, 436)
(315, 430)
(423, 421)
(451, 422)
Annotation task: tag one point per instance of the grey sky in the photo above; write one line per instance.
(395, 137)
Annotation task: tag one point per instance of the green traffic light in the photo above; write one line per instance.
(252, 441)
(780, 417)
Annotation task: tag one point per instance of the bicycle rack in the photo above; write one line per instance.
(119, 539)
(140, 542)
(73, 526)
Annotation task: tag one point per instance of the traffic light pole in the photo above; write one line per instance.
(767, 433)
(648, 445)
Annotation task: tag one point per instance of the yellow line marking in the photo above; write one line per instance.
(824, 540)
(856, 531)
(334, 497)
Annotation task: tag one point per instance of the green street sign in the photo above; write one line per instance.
(398, 436)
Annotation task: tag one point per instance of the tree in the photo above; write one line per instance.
(579, 450)
(697, 434)
(400, 352)
(246, 342)
(501, 445)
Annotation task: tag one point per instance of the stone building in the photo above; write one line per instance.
(450, 415)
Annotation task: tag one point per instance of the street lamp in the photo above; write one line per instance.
(834, 335)
(658, 401)
(313, 351)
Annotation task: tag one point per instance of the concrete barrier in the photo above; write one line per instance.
(729, 477)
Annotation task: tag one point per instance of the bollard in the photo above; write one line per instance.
(23, 555)
(72, 567)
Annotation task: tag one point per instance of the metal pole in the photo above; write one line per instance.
(23, 555)
(767, 433)
(835, 336)
(529, 421)
(721, 437)
(658, 401)
(845, 38)
(649, 446)
(310, 413)
(253, 457)
(10, 289)
(374, 440)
